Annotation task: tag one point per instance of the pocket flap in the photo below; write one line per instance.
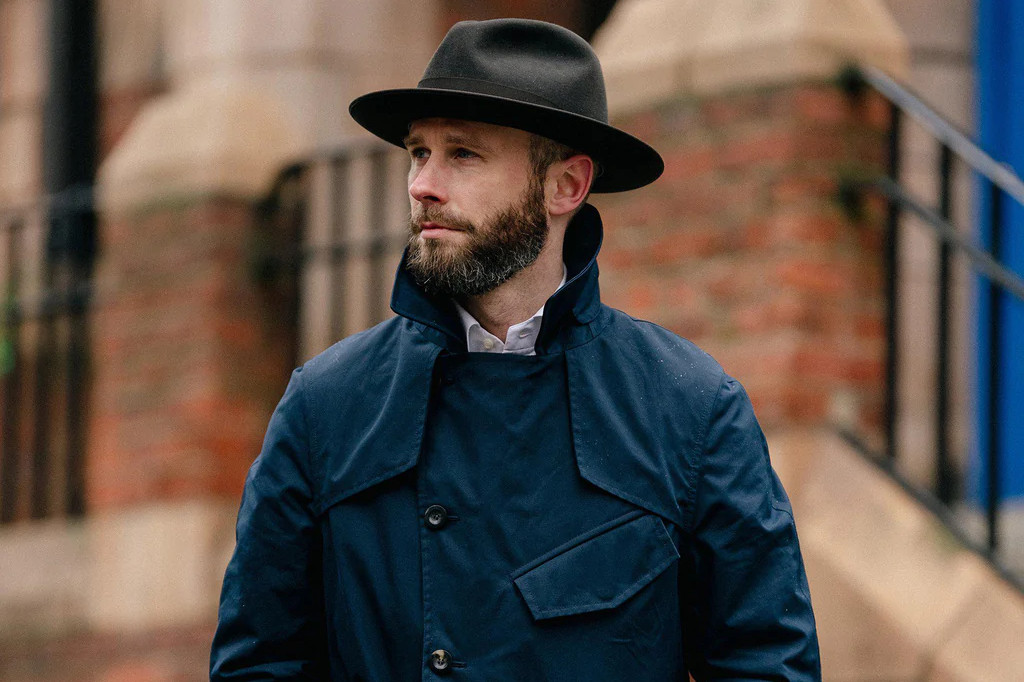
(600, 571)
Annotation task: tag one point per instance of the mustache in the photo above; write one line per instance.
(441, 216)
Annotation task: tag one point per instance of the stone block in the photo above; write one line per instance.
(896, 596)
(986, 642)
(44, 567)
(23, 52)
(20, 154)
(654, 50)
(220, 138)
(158, 564)
(940, 28)
(130, 45)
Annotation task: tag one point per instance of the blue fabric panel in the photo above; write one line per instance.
(1000, 112)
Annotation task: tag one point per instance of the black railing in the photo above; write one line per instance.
(46, 254)
(953, 148)
(350, 208)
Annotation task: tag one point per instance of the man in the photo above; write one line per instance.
(509, 480)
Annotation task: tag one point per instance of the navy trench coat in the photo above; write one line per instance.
(640, 535)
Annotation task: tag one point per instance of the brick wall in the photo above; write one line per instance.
(191, 354)
(743, 247)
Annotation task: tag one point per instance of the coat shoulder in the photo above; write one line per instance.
(346, 360)
(366, 403)
(660, 350)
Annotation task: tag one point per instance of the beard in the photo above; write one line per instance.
(490, 254)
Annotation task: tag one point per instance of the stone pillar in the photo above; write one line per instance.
(742, 246)
(191, 351)
(188, 353)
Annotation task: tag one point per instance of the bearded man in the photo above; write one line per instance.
(509, 480)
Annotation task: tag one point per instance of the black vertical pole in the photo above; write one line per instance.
(379, 232)
(995, 368)
(70, 142)
(945, 478)
(10, 376)
(892, 288)
(339, 248)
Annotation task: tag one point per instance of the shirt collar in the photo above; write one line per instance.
(521, 338)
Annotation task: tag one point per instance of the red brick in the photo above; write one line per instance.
(821, 105)
(180, 409)
(821, 227)
(686, 242)
(825, 279)
(684, 163)
(803, 188)
(751, 150)
(750, 255)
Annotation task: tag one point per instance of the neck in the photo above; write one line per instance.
(521, 296)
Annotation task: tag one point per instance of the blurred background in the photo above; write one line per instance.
(187, 212)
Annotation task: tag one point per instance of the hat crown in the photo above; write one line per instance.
(524, 59)
(524, 74)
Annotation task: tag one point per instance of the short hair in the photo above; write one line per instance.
(544, 151)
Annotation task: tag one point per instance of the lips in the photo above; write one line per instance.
(432, 230)
(429, 225)
(433, 222)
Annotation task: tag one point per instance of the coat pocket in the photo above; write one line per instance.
(599, 570)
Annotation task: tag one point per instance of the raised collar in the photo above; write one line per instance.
(580, 296)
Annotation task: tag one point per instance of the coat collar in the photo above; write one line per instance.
(622, 442)
(575, 304)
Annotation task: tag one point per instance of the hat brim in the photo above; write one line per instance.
(625, 161)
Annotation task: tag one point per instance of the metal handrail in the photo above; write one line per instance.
(1002, 184)
(945, 132)
(1009, 280)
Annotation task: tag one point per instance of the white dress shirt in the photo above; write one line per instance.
(520, 340)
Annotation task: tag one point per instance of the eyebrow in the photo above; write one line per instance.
(456, 139)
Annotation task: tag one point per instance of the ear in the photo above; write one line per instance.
(569, 183)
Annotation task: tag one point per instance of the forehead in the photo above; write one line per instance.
(469, 132)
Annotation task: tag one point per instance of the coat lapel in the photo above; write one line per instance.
(632, 437)
(375, 431)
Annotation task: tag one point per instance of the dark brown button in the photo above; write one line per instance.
(440, 661)
(436, 517)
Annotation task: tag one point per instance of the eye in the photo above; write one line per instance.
(463, 153)
(418, 152)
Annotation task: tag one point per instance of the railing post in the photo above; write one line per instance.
(377, 245)
(10, 374)
(339, 235)
(945, 476)
(42, 406)
(995, 324)
(892, 287)
(78, 369)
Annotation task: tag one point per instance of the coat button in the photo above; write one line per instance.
(436, 517)
(440, 661)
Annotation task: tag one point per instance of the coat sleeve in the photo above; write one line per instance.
(748, 612)
(271, 622)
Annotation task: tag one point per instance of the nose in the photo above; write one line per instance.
(426, 183)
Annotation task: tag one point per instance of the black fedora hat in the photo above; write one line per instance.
(524, 74)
